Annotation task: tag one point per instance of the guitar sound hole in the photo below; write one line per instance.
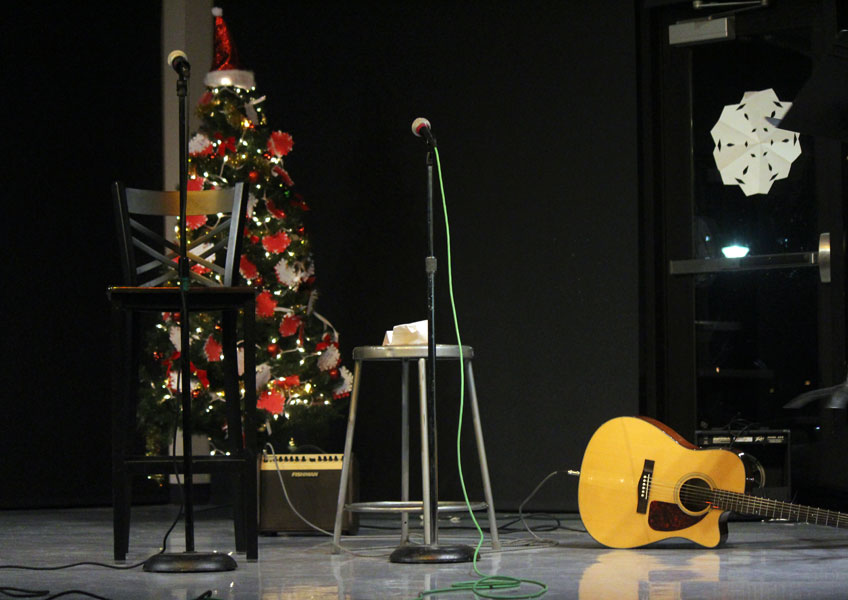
(694, 495)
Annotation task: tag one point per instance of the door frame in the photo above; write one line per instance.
(667, 303)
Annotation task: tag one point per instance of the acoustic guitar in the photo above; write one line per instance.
(641, 482)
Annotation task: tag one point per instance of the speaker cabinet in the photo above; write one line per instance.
(312, 483)
(770, 448)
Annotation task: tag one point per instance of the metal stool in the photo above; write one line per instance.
(405, 354)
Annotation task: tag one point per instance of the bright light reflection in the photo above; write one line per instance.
(735, 251)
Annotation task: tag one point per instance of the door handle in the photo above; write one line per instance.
(758, 262)
(823, 257)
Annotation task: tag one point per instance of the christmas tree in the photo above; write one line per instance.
(300, 378)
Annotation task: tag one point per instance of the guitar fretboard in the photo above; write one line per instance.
(775, 509)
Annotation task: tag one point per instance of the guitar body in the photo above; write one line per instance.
(640, 482)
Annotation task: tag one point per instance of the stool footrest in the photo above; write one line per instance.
(390, 506)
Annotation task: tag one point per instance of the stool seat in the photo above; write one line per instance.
(405, 355)
(443, 351)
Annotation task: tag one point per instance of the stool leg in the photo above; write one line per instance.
(481, 451)
(404, 449)
(425, 452)
(351, 422)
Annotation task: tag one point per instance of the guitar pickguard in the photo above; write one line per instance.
(667, 516)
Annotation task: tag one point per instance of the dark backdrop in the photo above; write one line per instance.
(534, 107)
(82, 106)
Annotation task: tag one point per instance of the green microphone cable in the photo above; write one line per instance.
(485, 586)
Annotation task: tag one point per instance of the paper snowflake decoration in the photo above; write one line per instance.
(749, 150)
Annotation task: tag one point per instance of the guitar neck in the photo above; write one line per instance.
(763, 507)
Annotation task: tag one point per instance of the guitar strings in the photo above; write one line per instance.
(719, 498)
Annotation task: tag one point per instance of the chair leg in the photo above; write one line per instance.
(121, 503)
(481, 451)
(125, 333)
(234, 429)
(345, 475)
(250, 482)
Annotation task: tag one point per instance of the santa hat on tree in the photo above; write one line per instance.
(226, 68)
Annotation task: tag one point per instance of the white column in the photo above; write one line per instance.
(186, 26)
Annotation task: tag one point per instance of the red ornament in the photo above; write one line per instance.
(225, 144)
(280, 143)
(273, 402)
(213, 349)
(265, 304)
(290, 381)
(247, 269)
(273, 348)
(253, 176)
(276, 243)
(289, 325)
(325, 342)
(334, 373)
(200, 269)
(195, 221)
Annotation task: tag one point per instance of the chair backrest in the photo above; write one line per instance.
(148, 258)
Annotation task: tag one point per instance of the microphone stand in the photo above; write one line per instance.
(431, 551)
(188, 561)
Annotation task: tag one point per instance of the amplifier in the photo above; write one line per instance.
(312, 483)
(769, 472)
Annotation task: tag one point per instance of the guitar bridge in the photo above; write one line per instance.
(644, 490)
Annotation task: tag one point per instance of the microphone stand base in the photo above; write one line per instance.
(190, 562)
(412, 553)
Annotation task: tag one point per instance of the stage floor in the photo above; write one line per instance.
(759, 560)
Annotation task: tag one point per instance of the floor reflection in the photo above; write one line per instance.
(647, 575)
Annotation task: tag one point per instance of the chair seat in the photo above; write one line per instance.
(168, 298)
(154, 465)
(241, 463)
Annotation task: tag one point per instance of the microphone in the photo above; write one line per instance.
(421, 128)
(179, 62)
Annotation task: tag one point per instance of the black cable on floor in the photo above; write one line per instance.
(85, 563)
(13, 592)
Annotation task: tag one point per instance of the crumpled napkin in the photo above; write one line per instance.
(408, 334)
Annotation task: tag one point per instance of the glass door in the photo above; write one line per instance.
(755, 256)
(749, 309)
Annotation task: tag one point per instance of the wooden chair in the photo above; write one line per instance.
(149, 269)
